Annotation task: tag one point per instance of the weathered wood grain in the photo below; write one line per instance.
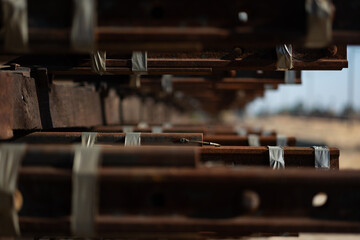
(25, 104)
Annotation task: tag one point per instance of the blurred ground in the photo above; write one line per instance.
(332, 132)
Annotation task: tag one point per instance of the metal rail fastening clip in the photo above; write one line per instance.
(185, 140)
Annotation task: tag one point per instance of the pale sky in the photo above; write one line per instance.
(323, 89)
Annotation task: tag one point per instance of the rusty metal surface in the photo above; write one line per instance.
(177, 200)
(134, 227)
(293, 156)
(57, 155)
(111, 138)
(160, 25)
(207, 62)
(167, 25)
(61, 156)
(206, 130)
(173, 129)
(271, 77)
(228, 140)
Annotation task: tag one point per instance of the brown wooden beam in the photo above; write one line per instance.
(29, 105)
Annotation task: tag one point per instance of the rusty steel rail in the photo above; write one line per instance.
(113, 138)
(228, 140)
(226, 77)
(259, 156)
(60, 155)
(226, 202)
(161, 25)
(206, 130)
(168, 138)
(193, 63)
(173, 129)
(229, 131)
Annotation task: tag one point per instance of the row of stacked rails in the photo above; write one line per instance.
(100, 143)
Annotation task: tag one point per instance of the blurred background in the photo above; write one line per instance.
(322, 93)
(324, 110)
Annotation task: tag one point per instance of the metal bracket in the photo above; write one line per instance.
(98, 62)
(83, 25)
(185, 140)
(320, 13)
(157, 129)
(15, 22)
(139, 62)
(253, 140)
(88, 139)
(84, 194)
(284, 55)
(322, 157)
(128, 129)
(132, 139)
(10, 160)
(276, 157)
(166, 83)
